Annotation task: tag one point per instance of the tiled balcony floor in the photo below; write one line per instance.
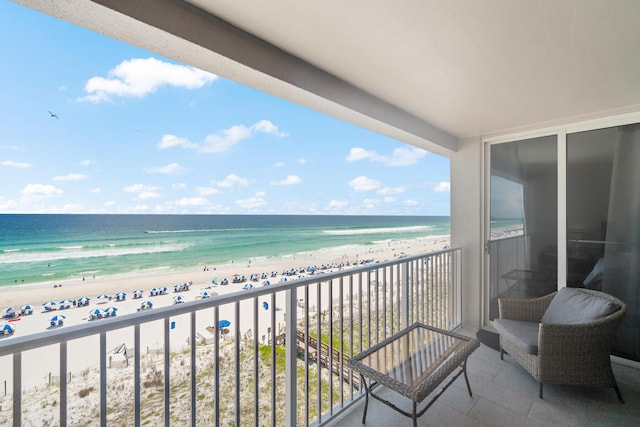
(504, 394)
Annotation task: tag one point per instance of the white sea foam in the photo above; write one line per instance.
(383, 230)
(11, 250)
(77, 253)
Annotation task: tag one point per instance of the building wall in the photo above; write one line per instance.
(466, 224)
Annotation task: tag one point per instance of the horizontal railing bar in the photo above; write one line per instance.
(41, 339)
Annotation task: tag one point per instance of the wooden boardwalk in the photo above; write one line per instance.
(348, 375)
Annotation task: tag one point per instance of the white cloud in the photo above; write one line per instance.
(140, 208)
(41, 190)
(301, 160)
(254, 202)
(109, 203)
(96, 190)
(399, 156)
(388, 199)
(137, 188)
(70, 177)
(87, 162)
(442, 187)
(193, 201)
(289, 180)
(149, 195)
(223, 140)
(357, 153)
(138, 77)
(179, 185)
(336, 204)
(144, 191)
(410, 202)
(265, 126)
(231, 181)
(11, 163)
(207, 191)
(370, 203)
(169, 141)
(362, 183)
(406, 156)
(168, 169)
(279, 165)
(386, 191)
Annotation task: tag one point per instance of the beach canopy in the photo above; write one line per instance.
(51, 305)
(83, 300)
(111, 310)
(214, 280)
(96, 312)
(7, 329)
(27, 308)
(205, 294)
(146, 304)
(104, 297)
(224, 323)
(58, 318)
(9, 311)
(178, 299)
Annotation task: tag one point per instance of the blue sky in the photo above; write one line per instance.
(134, 132)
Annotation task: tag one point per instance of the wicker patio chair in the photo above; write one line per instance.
(570, 354)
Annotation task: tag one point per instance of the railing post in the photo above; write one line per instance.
(291, 389)
(405, 303)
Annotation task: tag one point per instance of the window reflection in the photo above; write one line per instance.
(603, 221)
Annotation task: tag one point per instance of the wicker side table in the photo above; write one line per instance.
(414, 362)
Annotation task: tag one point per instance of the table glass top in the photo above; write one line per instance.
(412, 357)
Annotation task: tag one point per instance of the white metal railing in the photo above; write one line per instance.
(289, 371)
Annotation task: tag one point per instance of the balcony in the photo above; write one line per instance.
(504, 394)
(134, 378)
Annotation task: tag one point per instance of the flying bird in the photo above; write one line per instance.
(53, 115)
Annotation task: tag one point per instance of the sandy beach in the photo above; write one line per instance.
(84, 353)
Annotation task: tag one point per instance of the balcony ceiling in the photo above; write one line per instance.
(424, 71)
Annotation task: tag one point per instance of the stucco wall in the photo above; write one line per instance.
(466, 224)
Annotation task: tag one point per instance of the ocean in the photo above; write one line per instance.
(44, 248)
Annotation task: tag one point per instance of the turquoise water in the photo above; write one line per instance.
(43, 248)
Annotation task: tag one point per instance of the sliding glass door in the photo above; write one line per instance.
(522, 245)
(603, 221)
(595, 197)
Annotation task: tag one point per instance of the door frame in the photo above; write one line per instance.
(561, 132)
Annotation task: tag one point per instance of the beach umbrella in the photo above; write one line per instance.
(58, 319)
(104, 297)
(7, 329)
(247, 286)
(83, 301)
(51, 305)
(178, 299)
(27, 309)
(65, 303)
(164, 289)
(110, 311)
(96, 313)
(205, 294)
(121, 296)
(9, 312)
(214, 280)
(266, 283)
(146, 304)
(224, 323)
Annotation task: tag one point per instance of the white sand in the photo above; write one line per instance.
(85, 353)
